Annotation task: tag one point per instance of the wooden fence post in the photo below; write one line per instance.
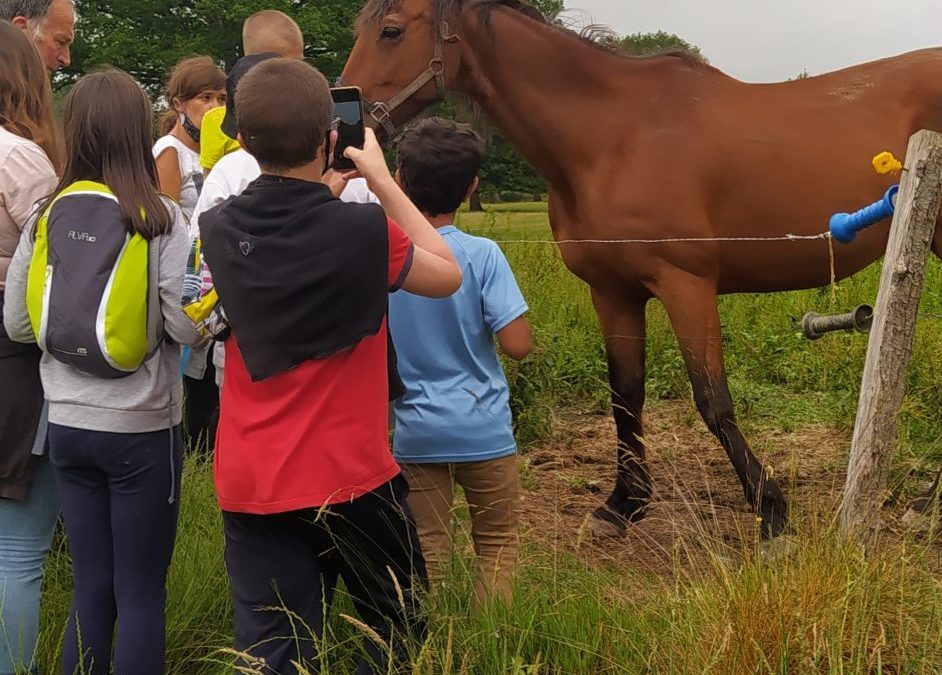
(891, 340)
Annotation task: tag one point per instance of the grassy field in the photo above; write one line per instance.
(823, 608)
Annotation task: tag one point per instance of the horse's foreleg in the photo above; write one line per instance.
(623, 327)
(691, 303)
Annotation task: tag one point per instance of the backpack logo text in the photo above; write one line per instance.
(82, 236)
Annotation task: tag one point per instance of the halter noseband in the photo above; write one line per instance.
(382, 111)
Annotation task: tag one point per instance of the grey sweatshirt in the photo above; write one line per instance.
(144, 401)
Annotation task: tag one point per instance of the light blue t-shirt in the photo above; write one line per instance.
(456, 407)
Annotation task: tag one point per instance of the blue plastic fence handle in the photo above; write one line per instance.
(845, 226)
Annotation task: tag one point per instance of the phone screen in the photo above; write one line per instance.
(348, 110)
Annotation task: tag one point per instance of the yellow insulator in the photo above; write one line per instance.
(885, 163)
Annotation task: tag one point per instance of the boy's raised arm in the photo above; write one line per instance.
(434, 272)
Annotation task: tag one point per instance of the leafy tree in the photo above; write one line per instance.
(549, 8)
(651, 44)
(505, 171)
(147, 37)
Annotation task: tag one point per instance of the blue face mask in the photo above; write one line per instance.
(191, 129)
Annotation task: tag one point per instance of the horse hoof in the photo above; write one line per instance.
(772, 523)
(603, 524)
(602, 529)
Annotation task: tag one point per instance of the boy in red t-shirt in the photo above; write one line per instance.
(304, 475)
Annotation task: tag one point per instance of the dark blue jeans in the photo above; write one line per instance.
(282, 569)
(119, 495)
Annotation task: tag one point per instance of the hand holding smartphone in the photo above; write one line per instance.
(348, 113)
(370, 163)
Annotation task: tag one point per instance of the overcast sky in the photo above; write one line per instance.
(770, 40)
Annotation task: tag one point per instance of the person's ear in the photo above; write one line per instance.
(22, 23)
(475, 184)
(332, 144)
(176, 104)
(241, 141)
(328, 147)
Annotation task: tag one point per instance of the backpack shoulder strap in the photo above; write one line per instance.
(155, 318)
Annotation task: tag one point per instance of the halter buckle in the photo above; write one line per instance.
(437, 66)
(380, 112)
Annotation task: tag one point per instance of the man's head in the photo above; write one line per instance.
(284, 111)
(439, 162)
(51, 24)
(272, 31)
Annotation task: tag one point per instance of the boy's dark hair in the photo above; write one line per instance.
(438, 161)
(284, 111)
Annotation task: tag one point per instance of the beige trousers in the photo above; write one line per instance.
(492, 488)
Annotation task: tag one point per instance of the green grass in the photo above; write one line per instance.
(823, 609)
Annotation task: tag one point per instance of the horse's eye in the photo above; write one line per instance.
(391, 33)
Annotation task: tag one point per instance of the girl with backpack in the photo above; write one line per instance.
(96, 280)
(29, 146)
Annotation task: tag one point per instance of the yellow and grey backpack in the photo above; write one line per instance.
(88, 293)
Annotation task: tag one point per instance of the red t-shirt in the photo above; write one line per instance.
(315, 435)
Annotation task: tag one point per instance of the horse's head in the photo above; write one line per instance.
(405, 56)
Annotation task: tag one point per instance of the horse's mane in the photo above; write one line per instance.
(375, 10)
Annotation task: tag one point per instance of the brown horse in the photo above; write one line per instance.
(661, 148)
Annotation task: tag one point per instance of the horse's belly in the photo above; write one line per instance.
(764, 267)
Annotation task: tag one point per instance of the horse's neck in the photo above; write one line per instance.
(542, 88)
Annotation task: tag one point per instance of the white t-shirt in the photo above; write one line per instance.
(231, 175)
(191, 173)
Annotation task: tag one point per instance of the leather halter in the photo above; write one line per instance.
(382, 111)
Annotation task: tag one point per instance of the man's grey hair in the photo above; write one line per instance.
(34, 11)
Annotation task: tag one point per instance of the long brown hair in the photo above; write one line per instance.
(190, 78)
(25, 95)
(108, 122)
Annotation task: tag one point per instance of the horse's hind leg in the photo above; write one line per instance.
(691, 303)
(623, 327)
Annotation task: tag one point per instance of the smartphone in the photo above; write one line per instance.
(348, 114)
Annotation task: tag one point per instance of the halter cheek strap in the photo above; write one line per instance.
(382, 111)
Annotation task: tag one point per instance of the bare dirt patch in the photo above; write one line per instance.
(698, 502)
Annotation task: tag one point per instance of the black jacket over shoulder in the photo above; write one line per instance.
(301, 274)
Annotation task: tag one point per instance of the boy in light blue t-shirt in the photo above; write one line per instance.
(453, 425)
